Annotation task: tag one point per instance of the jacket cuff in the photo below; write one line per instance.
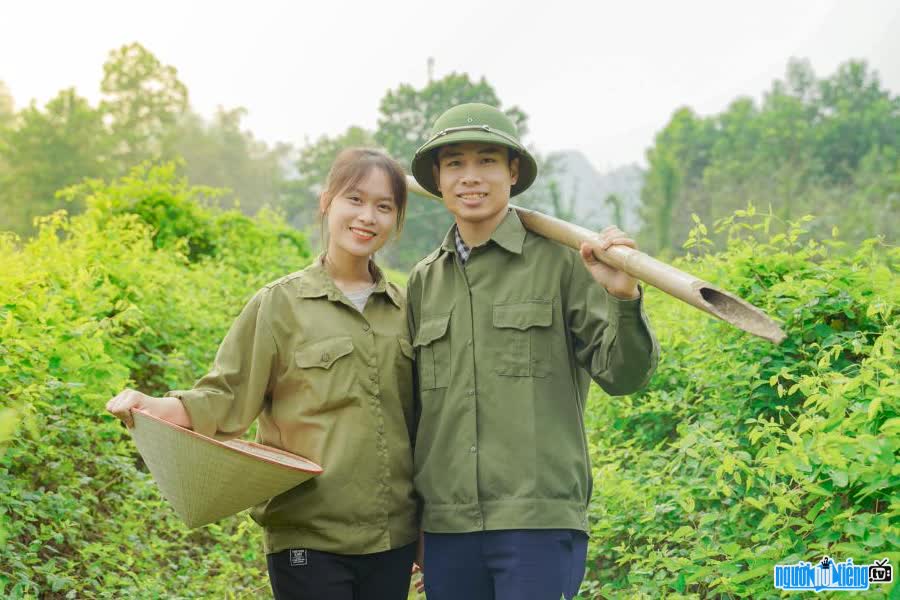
(197, 407)
(623, 308)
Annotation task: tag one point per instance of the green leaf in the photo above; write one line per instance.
(680, 583)
(839, 477)
(873, 539)
(759, 571)
(686, 503)
(9, 418)
(874, 408)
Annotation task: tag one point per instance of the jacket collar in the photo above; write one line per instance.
(509, 234)
(317, 283)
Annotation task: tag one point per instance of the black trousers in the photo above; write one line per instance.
(301, 574)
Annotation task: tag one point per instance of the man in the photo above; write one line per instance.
(509, 328)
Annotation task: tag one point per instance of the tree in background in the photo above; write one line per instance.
(48, 150)
(7, 107)
(856, 116)
(811, 146)
(677, 162)
(548, 195)
(45, 151)
(827, 146)
(615, 203)
(143, 101)
(144, 116)
(406, 114)
(562, 208)
(876, 185)
(147, 109)
(221, 154)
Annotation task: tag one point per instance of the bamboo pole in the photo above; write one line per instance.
(683, 286)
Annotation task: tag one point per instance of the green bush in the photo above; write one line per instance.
(137, 291)
(740, 454)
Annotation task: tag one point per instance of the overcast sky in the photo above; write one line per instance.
(600, 77)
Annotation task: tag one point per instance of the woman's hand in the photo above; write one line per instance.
(419, 582)
(167, 409)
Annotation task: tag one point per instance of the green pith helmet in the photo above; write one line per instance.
(473, 123)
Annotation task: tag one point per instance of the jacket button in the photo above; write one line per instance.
(326, 357)
(473, 449)
(373, 377)
(366, 327)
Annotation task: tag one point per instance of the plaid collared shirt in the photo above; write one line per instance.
(461, 249)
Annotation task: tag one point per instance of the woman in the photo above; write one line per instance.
(322, 357)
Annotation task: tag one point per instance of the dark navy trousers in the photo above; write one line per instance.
(516, 564)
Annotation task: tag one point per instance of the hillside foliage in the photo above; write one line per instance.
(740, 454)
(135, 292)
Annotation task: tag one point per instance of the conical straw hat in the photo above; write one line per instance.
(205, 479)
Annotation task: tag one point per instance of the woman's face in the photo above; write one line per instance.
(361, 217)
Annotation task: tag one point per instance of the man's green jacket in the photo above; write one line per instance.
(506, 346)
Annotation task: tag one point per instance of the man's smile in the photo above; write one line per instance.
(472, 197)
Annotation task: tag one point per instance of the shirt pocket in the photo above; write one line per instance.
(521, 338)
(325, 372)
(433, 343)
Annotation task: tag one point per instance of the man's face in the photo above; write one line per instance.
(475, 179)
